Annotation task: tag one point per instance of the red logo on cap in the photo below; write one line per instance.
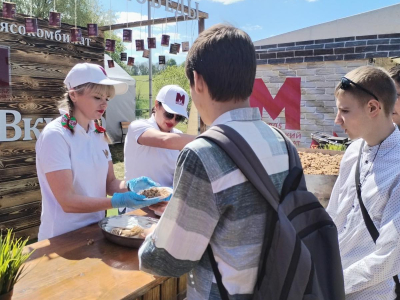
(104, 71)
(180, 99)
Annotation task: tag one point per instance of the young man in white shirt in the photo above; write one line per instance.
(365, 99)
(395, 74)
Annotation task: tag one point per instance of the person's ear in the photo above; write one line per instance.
(72, 95)
(198, 83)
(374, 107)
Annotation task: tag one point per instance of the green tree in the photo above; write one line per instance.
(144, 68)
(87, 11)
(172, 75)
(171, 62)
(135, 70)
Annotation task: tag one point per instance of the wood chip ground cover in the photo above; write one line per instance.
(320, 164)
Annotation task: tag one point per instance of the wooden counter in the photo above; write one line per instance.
(66, 267)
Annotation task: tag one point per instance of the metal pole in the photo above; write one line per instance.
(150, 63)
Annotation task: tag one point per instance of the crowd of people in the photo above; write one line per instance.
(213, 203)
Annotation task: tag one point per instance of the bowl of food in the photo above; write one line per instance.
(156, 192)
(126, 230)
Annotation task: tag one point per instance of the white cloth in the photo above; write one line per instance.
(369, 268)
(156, 163)
(85, 153)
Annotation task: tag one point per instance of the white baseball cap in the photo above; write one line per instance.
(85, 73)
(174, 99)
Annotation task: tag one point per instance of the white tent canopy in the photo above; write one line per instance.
(122, 107)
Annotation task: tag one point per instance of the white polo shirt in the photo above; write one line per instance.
(156, 163)
(85, 153)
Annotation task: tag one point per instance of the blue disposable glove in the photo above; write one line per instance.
(142, 183)
(132, 200)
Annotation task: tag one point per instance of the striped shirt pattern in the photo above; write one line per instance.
(213, 202)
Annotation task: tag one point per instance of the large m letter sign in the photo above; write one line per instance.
(288, 98)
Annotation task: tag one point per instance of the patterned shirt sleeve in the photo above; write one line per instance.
(184, 230)
(384, 262)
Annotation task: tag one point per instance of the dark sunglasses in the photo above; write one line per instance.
(169, 116)
(345, 84)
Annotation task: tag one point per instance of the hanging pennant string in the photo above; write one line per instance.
(192, 30)
(154, 17)
(141, 15)
(127, 15)
(166, 23)
(109, 17)
(186, 27)
(176, 28)
(75, 14)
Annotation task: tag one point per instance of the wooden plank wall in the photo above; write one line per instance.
(38, 68)
(170, 289)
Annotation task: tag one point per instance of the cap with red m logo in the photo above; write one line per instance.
(174, 99)
(180, 99)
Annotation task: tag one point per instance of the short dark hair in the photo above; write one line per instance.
(395, 74)
(225, 57)
(377, 81)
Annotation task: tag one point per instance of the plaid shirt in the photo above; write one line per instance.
(213, 202)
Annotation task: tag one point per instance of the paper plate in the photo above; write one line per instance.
(163, 187)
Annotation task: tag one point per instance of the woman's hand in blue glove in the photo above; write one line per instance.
(131, 200)
(139, 184)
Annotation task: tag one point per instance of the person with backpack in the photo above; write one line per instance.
(218, 221)
(365, 202)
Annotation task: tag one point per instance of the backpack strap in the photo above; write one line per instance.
(367, 218)
(247, 161)
(218, 278)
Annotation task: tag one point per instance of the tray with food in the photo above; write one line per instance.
(156, 192)
(126, 230)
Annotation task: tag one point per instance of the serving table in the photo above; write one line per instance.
(82, 264)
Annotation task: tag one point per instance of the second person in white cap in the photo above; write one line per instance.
(152, 146)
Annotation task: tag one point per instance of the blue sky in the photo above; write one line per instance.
(259, 18)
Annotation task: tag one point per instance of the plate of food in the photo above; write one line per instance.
(126, 230)
(156, 192)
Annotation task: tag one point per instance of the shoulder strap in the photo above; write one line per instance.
(218, 278)
(244, 157)
(247, 161)
(367, 219)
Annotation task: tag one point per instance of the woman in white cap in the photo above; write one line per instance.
(152, 146)
(73, 160)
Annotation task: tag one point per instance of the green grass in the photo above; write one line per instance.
(142, 85)
(142, 95)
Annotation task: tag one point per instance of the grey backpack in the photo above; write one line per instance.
(300, 256)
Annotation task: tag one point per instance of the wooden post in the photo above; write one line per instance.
(203, 127)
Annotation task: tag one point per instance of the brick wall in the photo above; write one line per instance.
(320, 64)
